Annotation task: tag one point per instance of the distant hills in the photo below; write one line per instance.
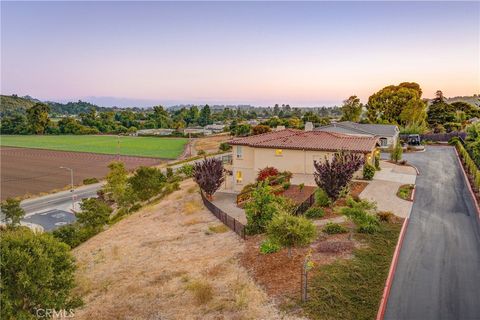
(14, 104)
(475, 99)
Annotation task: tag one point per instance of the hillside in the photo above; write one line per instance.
(475, 99)
(11, 104)
(15, 104)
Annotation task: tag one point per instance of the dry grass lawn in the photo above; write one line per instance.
(210, 144)
(164, 262)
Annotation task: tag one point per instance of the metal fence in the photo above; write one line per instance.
(235, 225)
(438, 137)
(306, 204)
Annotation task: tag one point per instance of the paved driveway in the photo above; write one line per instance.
(438, 273)
(384, 186)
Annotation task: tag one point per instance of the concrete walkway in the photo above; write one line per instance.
(384, 186)
(227, 202)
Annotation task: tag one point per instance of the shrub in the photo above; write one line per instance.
(369, 228)
(362, 204)
(291, 231)
(37, 271)
(186, 170)
(260, 209)
(12, 211)
(169, 173)
(259, 129)
(225, 146)
(266, 173)
(366, 223)
(385, 216)
(208, 174)
(74, 234)
(201, 152)
(334, 228)
(377, 162)
(90, 180)
(368, 171)
(396, 153)
(334, 175)
(94, 214)
(286, 185)
(147, 182)
(301, 186)
(314, 213)
(321, 198)
(268, 246)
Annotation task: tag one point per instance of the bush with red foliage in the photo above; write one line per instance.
(266, 173)
(332, 176)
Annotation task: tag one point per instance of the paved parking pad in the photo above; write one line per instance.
(51, 219)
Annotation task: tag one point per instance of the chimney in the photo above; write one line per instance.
(308, 126)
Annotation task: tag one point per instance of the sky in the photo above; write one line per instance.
(259, 53)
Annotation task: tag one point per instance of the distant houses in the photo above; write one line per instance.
(194, 131)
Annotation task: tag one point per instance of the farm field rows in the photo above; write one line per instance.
(32, 171)
(166, 148)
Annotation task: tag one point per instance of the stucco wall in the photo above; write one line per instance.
(296, 161)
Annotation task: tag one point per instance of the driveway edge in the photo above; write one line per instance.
(391, 272)
(472, 194)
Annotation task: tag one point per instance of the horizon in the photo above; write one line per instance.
(307, 54)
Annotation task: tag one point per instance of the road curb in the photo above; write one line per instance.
(472, 194)
(391, 272)
(412, 197)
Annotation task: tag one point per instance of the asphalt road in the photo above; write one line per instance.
(54, 210)
(438, 272)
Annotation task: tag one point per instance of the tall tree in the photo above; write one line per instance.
(205, 117)
(352, 109)
(387, 104)
(38, 271)
(116, 185)
(161, 117)
(12, 211)
(37, 117)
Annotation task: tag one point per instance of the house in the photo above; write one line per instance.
(294, 151)
(215, 128)
(386, 133)
(155, 132)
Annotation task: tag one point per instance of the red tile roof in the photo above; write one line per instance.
(308, 140)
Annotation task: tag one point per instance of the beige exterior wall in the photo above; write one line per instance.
(249, 161)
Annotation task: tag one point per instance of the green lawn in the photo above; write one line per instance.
(169, 148)
(352, 289)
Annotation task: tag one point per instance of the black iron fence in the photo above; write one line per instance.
(235, 225)
(438, 137)
(306, 204)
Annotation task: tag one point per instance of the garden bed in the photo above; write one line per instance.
(296, 195)
(280, 275)
(405, 192)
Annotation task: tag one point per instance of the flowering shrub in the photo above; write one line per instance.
(266, 173)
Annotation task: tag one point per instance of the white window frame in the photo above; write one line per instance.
(239, 152)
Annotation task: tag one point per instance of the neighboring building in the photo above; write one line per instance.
(294, 151)
(386, 133)
(215, 128)
(196, 130)
(155, 132)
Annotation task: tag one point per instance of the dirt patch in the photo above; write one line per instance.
(281, 275)
(160, 263)
(210, 144)
(298, 196)
(33, 171)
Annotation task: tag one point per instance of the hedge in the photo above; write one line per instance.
(470, 165)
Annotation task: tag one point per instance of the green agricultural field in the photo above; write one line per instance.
(169, 148)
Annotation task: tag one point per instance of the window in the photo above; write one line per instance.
(239, 152)
(278, 152)
(239, 177)
(383, 142)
